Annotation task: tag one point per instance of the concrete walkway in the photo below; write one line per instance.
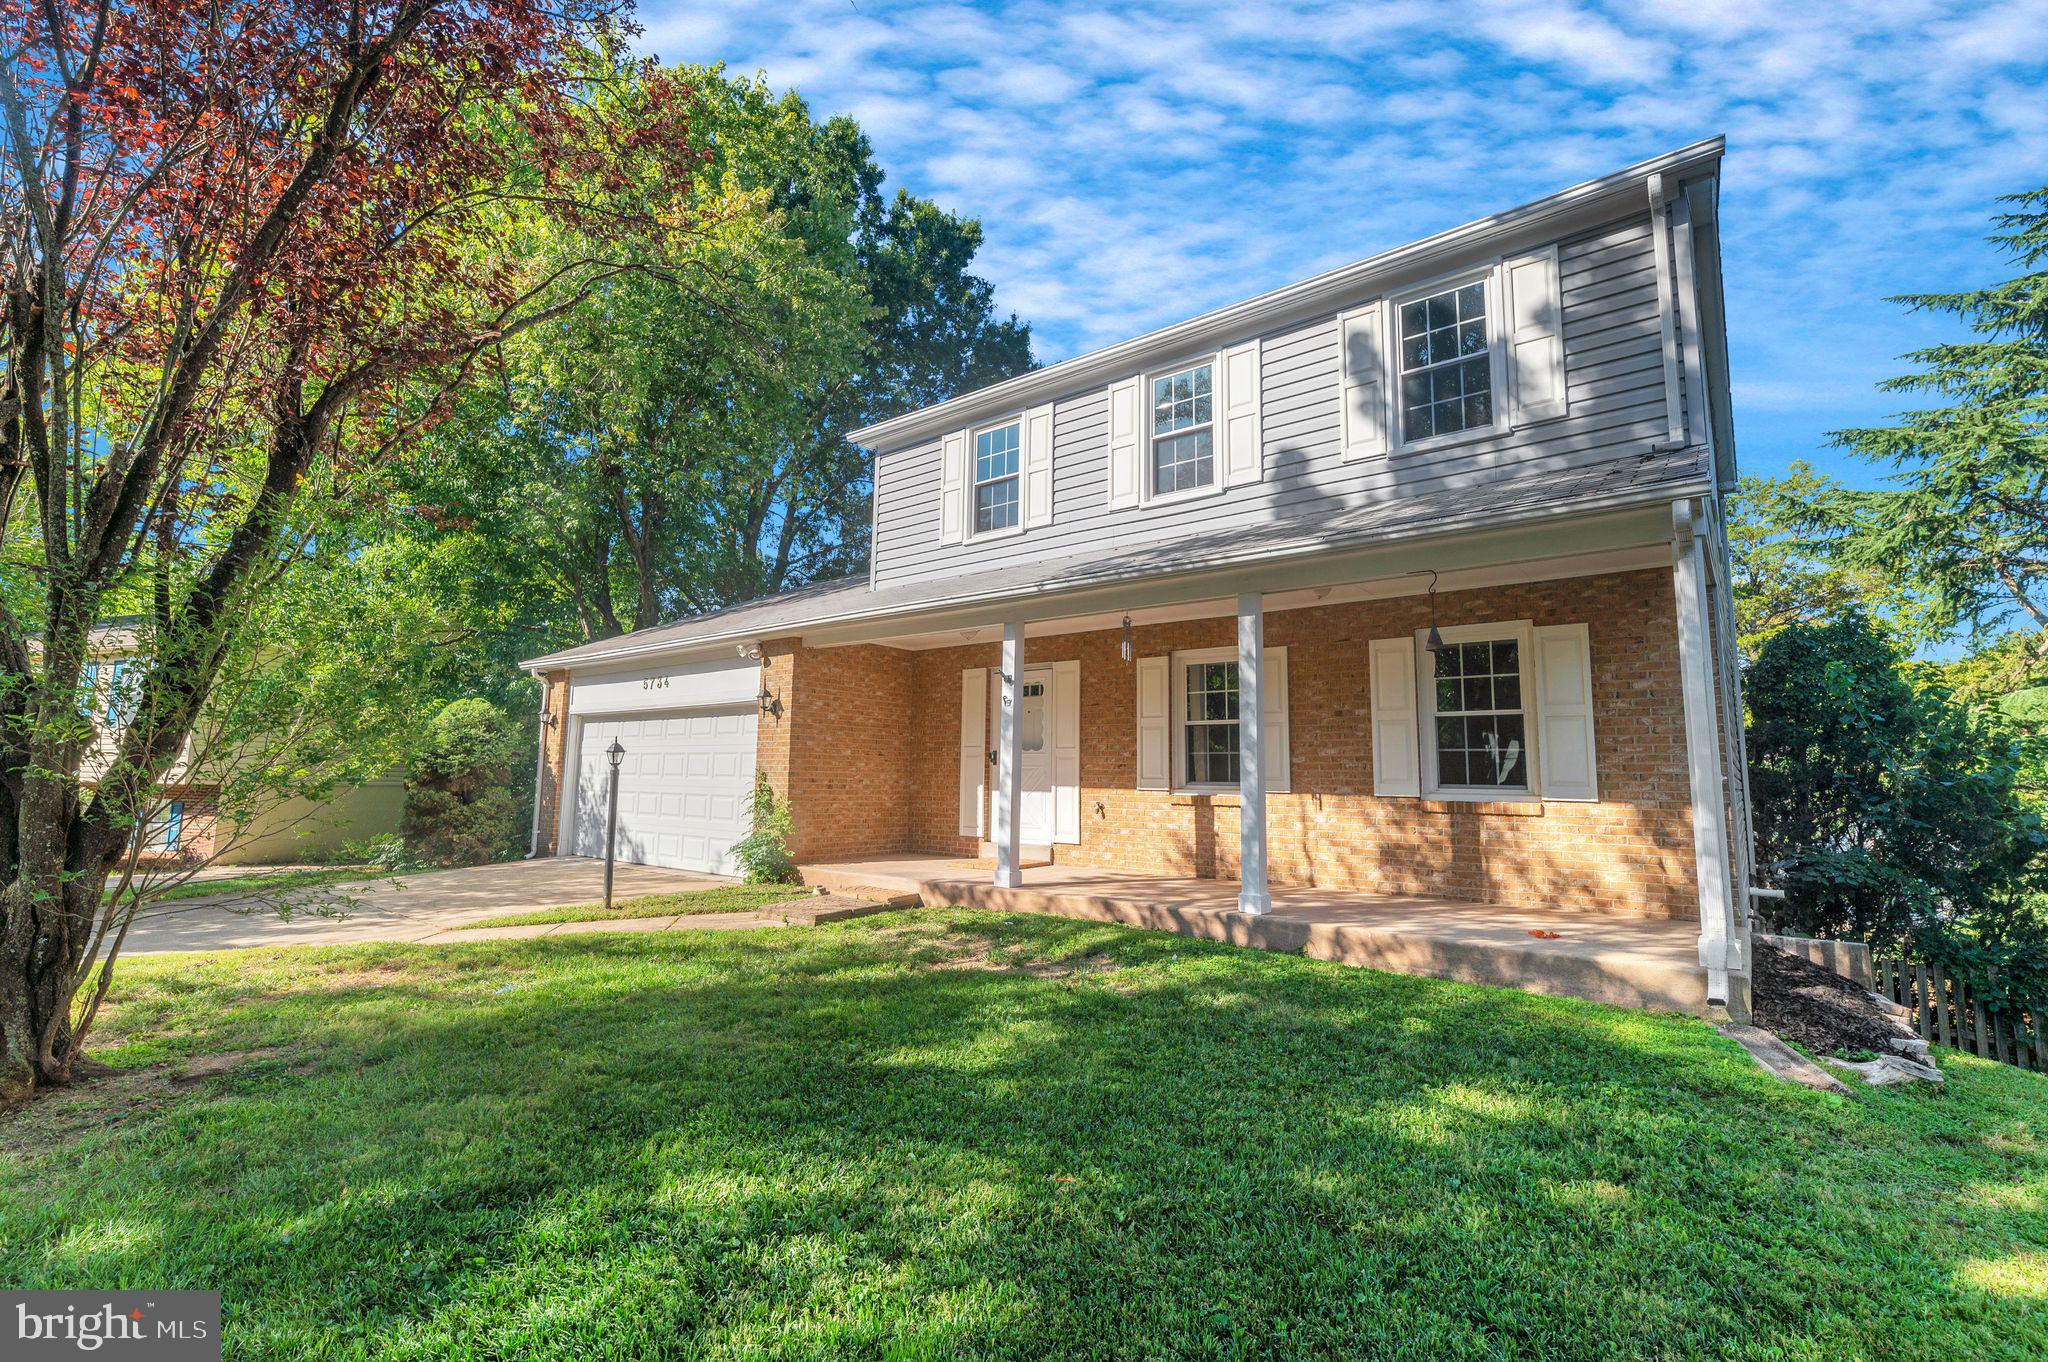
(409, 907)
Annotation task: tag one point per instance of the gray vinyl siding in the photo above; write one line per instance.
(1613, 374)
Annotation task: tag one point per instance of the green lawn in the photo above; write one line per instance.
(272, 882)
(725, 898)
(948, 1134)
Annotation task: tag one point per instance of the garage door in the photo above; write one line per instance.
(683, 788)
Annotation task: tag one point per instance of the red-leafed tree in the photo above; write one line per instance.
(248, 243)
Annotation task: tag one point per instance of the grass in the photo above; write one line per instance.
(947, 1134)
(725, 898)
(274, 882)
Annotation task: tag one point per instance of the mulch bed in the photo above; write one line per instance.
(1815, 1007)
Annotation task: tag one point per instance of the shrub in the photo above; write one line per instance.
(1889, 811)
(763, 853)
(466, 802)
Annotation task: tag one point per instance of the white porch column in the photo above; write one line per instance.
(1722, 950)
(1252, 894)
(1009, 761)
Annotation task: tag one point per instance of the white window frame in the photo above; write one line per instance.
(975, 482)
(1523, 632)
(1148, 473)
(1177, 712)
(1488, 275)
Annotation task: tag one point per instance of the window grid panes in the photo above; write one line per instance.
(1209, 723)
(1446, 367)
(1183, 431)
(1481, 723)
(995, 478)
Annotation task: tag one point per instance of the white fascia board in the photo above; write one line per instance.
(1623, 191)
(1037, 600)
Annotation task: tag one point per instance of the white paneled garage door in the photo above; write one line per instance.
(684, 785)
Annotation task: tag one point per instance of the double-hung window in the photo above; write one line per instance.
(1481, 715)
(166, 830)
(995, 478)
(1447, 370)
(1208, 737)
(1183, 431)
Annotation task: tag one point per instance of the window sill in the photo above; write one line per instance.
(1464, 437)
(1008, 532)
(1188, 494)
(1485, 808)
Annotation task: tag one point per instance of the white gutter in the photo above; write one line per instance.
(1306, 298)
(1219, 564)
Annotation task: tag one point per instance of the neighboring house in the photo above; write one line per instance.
(186, 827)
(1174, 600)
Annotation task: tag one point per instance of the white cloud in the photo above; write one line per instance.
(1137, 166)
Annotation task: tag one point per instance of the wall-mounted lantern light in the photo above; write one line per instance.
(1127, 639)
(771, 704)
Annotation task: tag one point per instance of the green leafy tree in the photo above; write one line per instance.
(1966, 516)
(673, 451)
(466, 800)
(1890, 811)
(1785, 574)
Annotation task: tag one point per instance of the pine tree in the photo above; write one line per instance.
(1966, 514)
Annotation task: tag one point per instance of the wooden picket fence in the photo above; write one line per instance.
(1948, 1012)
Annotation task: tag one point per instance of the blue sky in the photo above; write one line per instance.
(1139, 164)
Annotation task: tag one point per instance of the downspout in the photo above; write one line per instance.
(540, 767)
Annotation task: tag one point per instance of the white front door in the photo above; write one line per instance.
(1035, 738)
(684, 788)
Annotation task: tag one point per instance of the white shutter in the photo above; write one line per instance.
(1535, 337)
(1126, 428)
(1066, 753)
(953, 489)
(1396, 755)
(1564, 713)
(1273, 701)
(1244, 461)
(1363, 335)
(973, 748)
(1038, 466)
(1154, 751)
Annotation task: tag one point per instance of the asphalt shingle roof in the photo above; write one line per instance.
(1630, 476)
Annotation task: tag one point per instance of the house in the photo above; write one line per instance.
(1405, 580)
(187, 826)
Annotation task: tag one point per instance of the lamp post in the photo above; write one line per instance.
(616, 754)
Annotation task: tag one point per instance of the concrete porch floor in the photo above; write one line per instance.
(1630, 962)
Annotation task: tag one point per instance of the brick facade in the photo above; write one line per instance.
(554, 739)
(840, 752)
(866, 751)
(1629, 853)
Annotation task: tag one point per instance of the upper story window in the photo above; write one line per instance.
(1446, 364)
(1481, 719)
(124, 693)
(995, 478)
(1184, 431)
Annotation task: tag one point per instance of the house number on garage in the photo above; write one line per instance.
(655, 683)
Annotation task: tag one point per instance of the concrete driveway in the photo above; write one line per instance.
(397, 908)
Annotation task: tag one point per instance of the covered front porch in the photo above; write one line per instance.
(1628, 962)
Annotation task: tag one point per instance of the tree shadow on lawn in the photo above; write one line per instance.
(904, 1140)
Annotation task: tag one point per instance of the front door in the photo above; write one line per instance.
(1034, 721)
